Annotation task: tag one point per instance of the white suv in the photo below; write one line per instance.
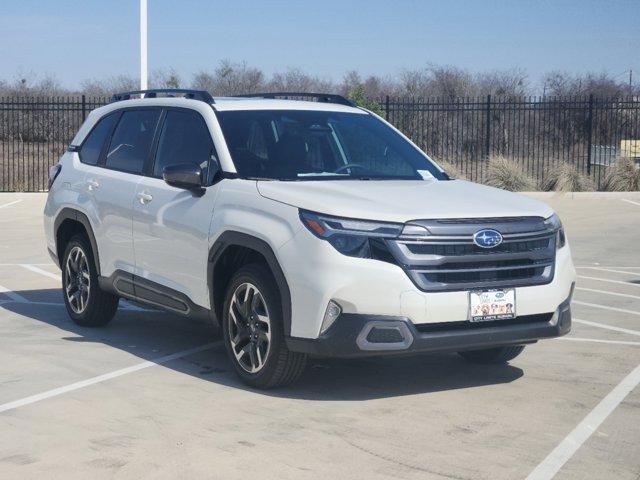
(302, 228)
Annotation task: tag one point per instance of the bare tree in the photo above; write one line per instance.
(229, 79)
(165, 78)
(295, 80)
(503, 83)
(601, 85)
(110, 85)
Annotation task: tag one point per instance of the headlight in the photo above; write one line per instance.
(356, 238)
(554, 223)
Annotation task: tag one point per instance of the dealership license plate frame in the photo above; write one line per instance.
(508, 293)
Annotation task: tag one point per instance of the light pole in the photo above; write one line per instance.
(143, 44)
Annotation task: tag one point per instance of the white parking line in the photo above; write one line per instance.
(16, 297)
(614, 342)
(572, 442)
(619, 282)
(39, 270)
(636, 297)
(102, 378)
(608, 327)
(604, 307)
(10, 203)
(18, 264)
(613, 270)
(630, 201)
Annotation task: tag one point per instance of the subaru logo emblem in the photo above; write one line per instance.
(487, 238)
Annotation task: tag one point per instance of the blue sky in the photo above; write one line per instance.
(74, 40)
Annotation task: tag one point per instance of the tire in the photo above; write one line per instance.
(87, 304)
(254, 333)
(493, 355)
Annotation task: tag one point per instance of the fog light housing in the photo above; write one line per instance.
(331, 314)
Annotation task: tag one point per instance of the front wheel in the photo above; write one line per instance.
(253, 330)
(493, 355)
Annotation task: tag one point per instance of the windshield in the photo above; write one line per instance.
(315, 145)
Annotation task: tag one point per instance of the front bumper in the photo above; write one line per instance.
(317, 273)
(354, 335)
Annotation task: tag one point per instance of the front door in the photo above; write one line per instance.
(171, 225)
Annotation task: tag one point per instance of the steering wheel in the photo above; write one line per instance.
(349, 165)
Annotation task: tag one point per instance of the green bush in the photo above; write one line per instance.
(357, 95)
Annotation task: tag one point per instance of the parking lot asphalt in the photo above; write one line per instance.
(152, 395)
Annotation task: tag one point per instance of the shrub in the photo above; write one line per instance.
(564, 177)
(453, 170)
(623, 176)
(508, 174)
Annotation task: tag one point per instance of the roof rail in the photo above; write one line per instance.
(319, 97)
(201, 95)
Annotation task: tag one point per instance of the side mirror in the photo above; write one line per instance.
(214, 171)
(183, 175)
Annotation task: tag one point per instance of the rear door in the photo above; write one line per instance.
(171, 225)
(111, 186)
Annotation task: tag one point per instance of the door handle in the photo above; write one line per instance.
(145, 197)
(92, 185)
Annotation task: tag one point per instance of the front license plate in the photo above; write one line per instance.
(489, 305)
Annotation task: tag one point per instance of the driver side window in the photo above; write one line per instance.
(185, 138)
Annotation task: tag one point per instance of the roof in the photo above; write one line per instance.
(238, 103)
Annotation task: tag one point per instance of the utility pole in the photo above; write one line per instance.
(630, 77)
(143, 44)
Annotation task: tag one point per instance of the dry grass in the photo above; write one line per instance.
(452, 170)
(564, 177)
(24, 166)
(623, 176)
(507, 174)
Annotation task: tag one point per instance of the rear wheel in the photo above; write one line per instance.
(253, 330)
(493, 355)
(86, 303)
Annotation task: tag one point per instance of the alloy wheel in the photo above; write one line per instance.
(249, 328)
(77, 278)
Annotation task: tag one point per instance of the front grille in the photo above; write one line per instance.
(449, 259)
(482, 276)
(472, 249)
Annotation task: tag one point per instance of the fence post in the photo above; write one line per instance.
(589, 133)
(84, 107)
(487, 146)
(386, 108)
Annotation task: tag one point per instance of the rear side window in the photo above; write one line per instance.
(131, 140)
(185, 138)
(92, 145)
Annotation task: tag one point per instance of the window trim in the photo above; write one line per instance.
(148, 171)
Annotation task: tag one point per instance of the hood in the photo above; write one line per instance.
(402, 200)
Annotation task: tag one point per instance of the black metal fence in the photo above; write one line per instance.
(538, 133)
(34, 133)
(588, 133)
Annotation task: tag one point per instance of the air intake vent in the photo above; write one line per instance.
(384, 335)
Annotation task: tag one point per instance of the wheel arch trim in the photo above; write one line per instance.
(232, 238)
(77, 216)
